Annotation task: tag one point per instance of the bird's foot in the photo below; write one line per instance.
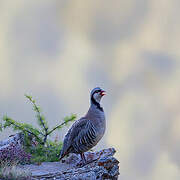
(80, 164)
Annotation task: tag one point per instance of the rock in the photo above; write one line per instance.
(16, 139)
(102, 165)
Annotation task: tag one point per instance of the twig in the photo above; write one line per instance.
(56, 127)
(40, 118)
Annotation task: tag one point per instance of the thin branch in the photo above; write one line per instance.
(65, 122)
(56, 127)
(38, 111)
(39, 117)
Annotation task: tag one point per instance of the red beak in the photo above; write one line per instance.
(103, 93)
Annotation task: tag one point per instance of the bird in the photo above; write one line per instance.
(86, 132)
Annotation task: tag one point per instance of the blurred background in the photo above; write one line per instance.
(58, 50)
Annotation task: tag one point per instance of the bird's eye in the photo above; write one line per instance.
(97, 91)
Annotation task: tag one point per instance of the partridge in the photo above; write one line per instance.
(86, 132)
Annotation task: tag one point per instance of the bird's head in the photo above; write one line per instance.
(96, 94)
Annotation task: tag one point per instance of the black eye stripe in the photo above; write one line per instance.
(95, 102)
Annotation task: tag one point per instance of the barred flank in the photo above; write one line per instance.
(86, 140)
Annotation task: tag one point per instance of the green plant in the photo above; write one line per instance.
(0, 126)
(42, 149)
(47, 153)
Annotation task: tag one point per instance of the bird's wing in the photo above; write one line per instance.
(71, 135)
(86, 137)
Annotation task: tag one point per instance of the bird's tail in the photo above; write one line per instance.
(62, 154)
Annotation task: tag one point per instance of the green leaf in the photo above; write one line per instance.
(69, 118)
(28, 97)
(1, 126)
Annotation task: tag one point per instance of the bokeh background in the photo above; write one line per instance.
(59, 50)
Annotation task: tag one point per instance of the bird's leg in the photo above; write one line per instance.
(82, 162)
(83, 158)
